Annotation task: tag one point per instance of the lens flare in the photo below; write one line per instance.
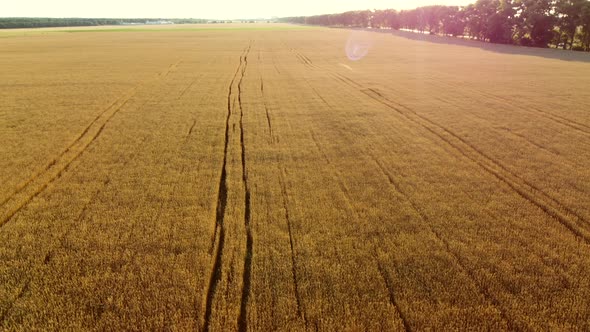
(358, 45)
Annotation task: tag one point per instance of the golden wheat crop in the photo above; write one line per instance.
(255, 178)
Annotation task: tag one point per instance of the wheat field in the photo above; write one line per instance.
(254, 177)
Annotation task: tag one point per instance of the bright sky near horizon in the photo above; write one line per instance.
(217, 9)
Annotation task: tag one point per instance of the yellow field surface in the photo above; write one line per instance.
(253, 177)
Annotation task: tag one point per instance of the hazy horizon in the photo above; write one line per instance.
(223, 9)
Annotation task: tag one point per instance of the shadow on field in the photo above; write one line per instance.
(498, 48)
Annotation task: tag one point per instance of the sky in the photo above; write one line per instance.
(212, 9)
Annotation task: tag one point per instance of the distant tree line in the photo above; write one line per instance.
(44, 22)
(540, 23)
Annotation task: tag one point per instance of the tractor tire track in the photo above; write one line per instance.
(308, 60)
(388, 283)
(349, 200)
(171, 68)
(191, 84)
(268, 121)
(285, 198)
(173, 221)
(247, 274)
(452, 102)
(190, 130)
(299, 302)
(302, 58)
(578, 126)
(54, 161)
(305, 60)
(21, 293)
(315, 91)
(55, 169)
(568, 218)
(134, 226)
(553, 208)
(274, 64)
(222, 191)
(495, 162)
(50, 254)
(218, 239)
(564, 121)
(58, 167)
(337, 175)
(483, 290)
(185, 90)
(140, 148)
(557, 270)
(391, 293)
(383, 273)
(565, 164)
(354, 210)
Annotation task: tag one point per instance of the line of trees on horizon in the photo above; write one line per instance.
(48, 22)
(539, 23)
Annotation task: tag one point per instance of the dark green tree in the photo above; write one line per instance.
(569, 18)
(585, 24)
(453, 21)
(536, 22)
